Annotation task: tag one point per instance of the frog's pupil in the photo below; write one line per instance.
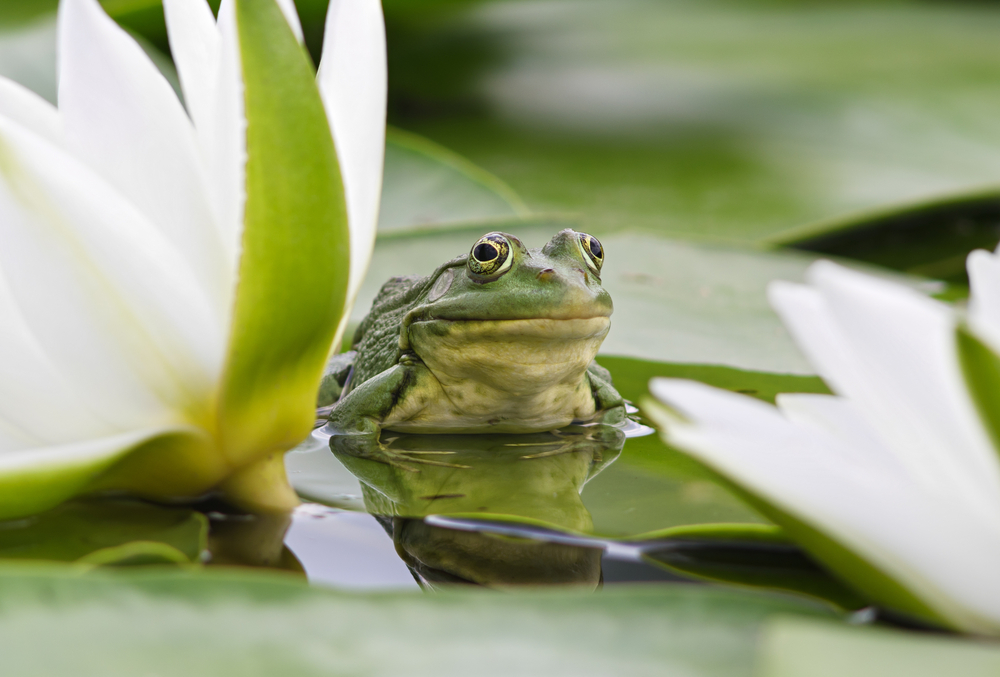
(485, 251)
(595, 248)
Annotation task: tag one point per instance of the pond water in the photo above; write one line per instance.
(586, 506)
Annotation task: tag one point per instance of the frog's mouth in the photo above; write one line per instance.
(532, 330)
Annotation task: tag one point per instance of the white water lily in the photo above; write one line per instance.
(894, 482)
(172, 275)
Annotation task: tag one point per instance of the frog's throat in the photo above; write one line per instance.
(522, 358)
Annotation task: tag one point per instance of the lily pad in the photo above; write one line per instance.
(930, 239)
(811, 648)
(632, 378)
(735, 120)
(427, 185)
(252, 624)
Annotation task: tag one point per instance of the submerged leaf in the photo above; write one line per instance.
(106, 532)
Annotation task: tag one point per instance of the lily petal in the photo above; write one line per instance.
(858, 441)
(984, 300)
(119, 313)
(196, 47)
(940, 554)
(124, 120)
(37, 479)
(31, 388)
(353, 82)
(23, 106)
(875, 331)
(224, 138)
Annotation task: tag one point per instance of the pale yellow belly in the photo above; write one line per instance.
(506, 377)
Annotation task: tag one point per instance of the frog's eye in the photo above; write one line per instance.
(490, 256)
(592, 251)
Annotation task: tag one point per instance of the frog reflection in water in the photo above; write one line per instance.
(501, 340)
(528, 478)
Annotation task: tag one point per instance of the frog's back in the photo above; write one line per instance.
(377, 337)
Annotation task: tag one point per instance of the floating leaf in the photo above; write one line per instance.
(427, 185)
(710, 119)
(208, 623)
(930, 239)
(810, 648)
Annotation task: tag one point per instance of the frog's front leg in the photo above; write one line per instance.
(358, 419)
(336, 376)
(365, 409)
(609, 403)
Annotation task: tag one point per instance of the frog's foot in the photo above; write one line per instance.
(371, 447)
(615, 416)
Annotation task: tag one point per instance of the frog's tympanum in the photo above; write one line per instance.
(532, 479)
(501, 340)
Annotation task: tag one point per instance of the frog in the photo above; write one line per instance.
(499, 340)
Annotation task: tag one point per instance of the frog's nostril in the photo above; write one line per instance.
(546, 274)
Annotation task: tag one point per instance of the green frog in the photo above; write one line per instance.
(501, 340)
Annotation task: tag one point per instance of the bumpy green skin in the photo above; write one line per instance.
(466, 353)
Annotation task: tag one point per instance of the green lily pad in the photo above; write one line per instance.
(739, 556)
(735, 120)
(632, 378)
(107, 532)
(205, 623)
(17, 12)
(811, 648)
(932, 239)
(427, 185)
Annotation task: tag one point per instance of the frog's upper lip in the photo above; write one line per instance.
(512, 318)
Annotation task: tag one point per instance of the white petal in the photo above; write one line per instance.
(223, 139)
(984, 300)
(23, 106)
(87, 452)
(839, 418)
(352, 81)
(196, 48)
(938, 551)
(807, 317)
(32, 480)
(38, 406)
(123, 119)
(110, 301)
(291, 16)
(891, 352)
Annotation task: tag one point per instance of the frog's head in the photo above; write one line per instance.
(509, 312)
(501, 279)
